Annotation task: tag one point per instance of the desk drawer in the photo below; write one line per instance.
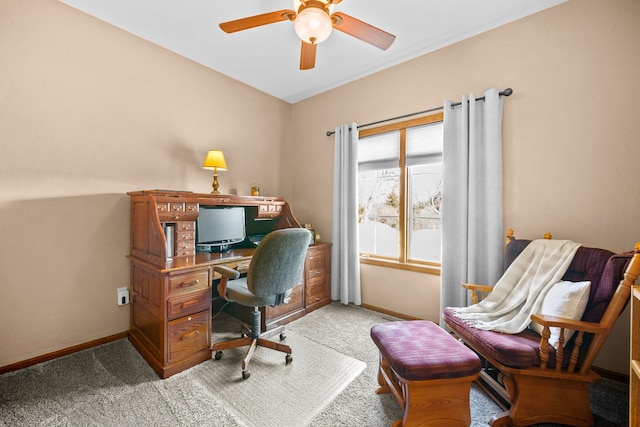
(296, 301)
(270, 210)
(188, 282)
(188, 334)
(316, 288)
(316, 272)
(315, 260)
(185, 252)
(191, 208)
(192, 302)
(188, 235)
(318, 261)
(185, 245)
(177, 211)
(183, 211)
(316, 266)
(182, 226)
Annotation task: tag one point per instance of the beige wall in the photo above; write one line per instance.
(87, 113)
(571, 134)
(90, 112)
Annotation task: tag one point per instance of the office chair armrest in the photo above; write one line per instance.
(227, 272)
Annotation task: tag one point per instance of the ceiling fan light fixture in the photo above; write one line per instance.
(313, 21)
(313, 24)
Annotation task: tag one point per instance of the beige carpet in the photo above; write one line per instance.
(111, 385)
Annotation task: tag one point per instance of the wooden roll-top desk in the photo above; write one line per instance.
(173, 295)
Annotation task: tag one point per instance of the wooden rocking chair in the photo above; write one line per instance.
(537, 382)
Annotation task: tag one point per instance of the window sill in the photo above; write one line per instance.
(420, 268)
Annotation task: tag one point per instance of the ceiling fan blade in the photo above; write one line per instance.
(257, 20)
(307, 56)
(363, 31)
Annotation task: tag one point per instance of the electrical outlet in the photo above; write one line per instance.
(123, 296)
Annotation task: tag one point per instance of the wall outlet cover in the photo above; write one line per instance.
(123, 296)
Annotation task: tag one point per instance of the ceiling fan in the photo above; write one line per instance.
(313, 21)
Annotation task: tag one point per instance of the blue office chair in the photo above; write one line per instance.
(275, 269)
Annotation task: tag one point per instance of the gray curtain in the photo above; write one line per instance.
(472, 234)
(345, 263)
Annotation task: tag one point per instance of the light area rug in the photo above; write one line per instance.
(275, 393)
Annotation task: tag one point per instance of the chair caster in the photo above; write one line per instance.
(283, 336)
(244, 331)
(218, 355)
(245, 375)
(288, 359)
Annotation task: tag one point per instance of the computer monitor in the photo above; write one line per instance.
(218, 227)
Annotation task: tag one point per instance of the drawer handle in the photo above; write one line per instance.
(189, 303)
(190, 283)
(190, 334)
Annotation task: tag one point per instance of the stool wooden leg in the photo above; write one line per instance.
(383, 380)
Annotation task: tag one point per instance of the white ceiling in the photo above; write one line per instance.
(267, 57)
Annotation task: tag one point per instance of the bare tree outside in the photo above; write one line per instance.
(379, 212)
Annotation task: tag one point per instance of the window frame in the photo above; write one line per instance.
(402, 262)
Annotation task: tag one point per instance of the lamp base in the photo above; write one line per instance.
(215, 184)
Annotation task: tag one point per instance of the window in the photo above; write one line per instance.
(400, 193)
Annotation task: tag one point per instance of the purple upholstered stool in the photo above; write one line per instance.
(428, 372)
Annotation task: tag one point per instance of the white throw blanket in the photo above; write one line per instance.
(520, 291)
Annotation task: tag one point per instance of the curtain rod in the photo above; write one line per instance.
(507, 92)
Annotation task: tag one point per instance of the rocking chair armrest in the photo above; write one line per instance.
(578, 326)
(563, 322)
(476, 289)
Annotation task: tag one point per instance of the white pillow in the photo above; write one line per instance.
(564, 299)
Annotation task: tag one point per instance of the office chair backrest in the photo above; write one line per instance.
(278, 262)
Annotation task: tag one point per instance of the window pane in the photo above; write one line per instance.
(425, 197)
(417, 153)
(379, 151)
(424, 144)
(379, 211)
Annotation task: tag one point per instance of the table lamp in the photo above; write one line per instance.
(215, 160)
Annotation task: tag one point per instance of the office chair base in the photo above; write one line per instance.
(252, 343)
